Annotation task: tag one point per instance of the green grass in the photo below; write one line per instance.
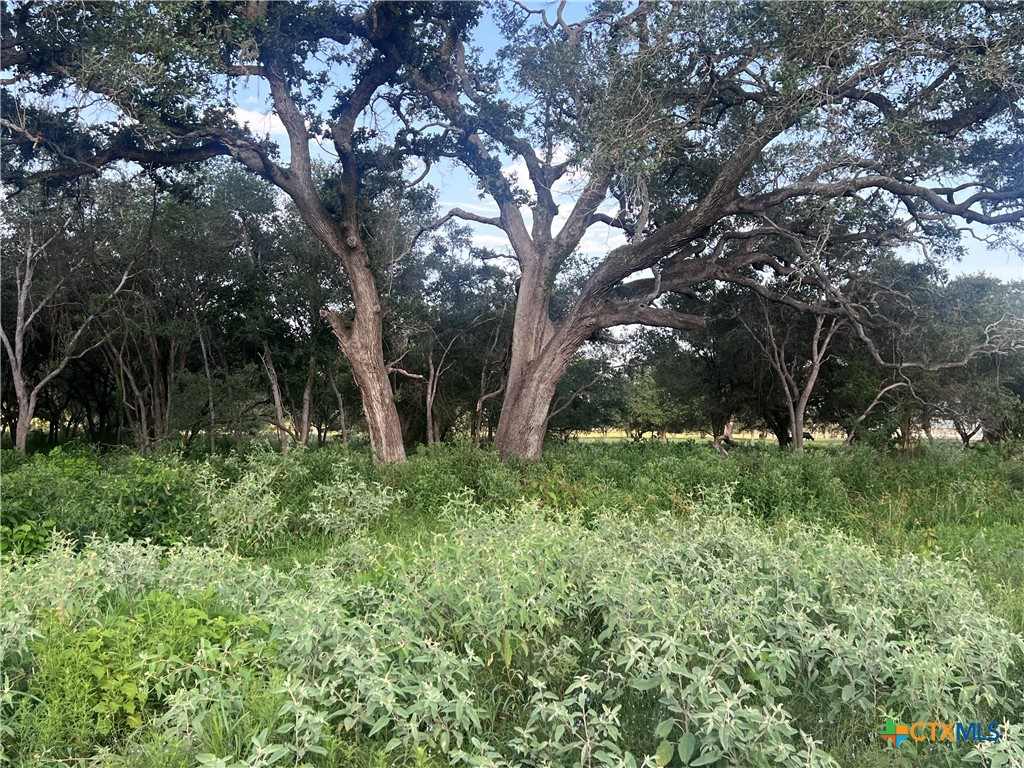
(352, 609)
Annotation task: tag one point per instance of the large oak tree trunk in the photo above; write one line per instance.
(362, 344)
(529, 393)
(536, 365)
(524, 415)
(382, 421)
(339, 229)
(361, 338)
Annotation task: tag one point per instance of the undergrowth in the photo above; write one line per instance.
(612, 605)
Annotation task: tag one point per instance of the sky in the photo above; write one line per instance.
(457, 187)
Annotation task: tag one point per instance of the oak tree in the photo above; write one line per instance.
(714, 137)
(87, 85)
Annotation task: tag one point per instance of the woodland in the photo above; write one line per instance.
(511, 383)
(780, 202)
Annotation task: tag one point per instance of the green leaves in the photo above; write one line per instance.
(708, 758)
(664, 752)
(526, 635)
(685, 747)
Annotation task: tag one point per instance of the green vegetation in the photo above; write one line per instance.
(742, 181)
(609, 605)
(395, 226)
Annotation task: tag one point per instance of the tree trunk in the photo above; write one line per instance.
(906, 430)
(478, 413)
(475, 430)
(800, 407)
(781, 431)
(851, 433)
(24, 318)
(524, 416)
(379, 408)
(25, 408)
(212, 429)
(718, 425)
(926, 425)
(362, 338)
(965, 432)
(307, 404)
(539, 358)
(523, 422)
(431, 392)
(362, 345)
(341, 408)
(275, 391)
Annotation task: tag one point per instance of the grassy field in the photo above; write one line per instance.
(614, 604)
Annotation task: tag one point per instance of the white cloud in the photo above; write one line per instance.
(494, 241)
(599, 240)
(259, 123)
(485, 208)
(516, 172)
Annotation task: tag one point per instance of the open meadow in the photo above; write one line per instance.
(613, 604)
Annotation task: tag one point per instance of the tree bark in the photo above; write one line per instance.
(432, 375)
(723, 434)
(341, 408)
(307, 403)
(906, 430)
(782, 433)
(362, 344)
(524, 416)
(362, 338)
(538, 359)
(212, 429)
(529, 393)
(275, 392)
(25, 409)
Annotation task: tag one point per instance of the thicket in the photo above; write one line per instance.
(609, 606)
(897, 499)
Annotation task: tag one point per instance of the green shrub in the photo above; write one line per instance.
(436, 471)
(118, 495)
(245, 514)
(259, 501)
(28, 539)
(526, 636)
(88, 683)
(607, 605)
(347, 504)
